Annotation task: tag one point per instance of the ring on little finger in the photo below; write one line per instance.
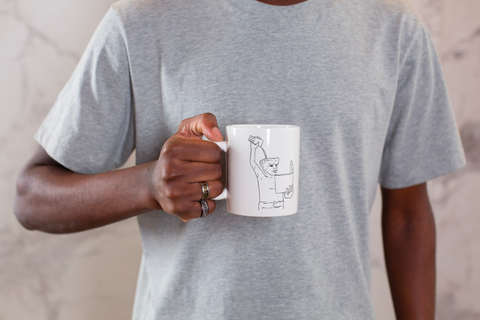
(204, 205)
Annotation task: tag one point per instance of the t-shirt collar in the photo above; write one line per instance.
(257, 7)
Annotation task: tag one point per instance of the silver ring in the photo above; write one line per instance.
(204, 205)
(205, 189)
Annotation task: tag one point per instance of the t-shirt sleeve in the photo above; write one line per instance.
(90, 127)
(422, 141)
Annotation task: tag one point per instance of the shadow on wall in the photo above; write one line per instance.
(447, 309)
(470, 134)
(449, 185)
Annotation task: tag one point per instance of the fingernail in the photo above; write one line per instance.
(216, 132)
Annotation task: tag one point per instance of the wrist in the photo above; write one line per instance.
(148, 179)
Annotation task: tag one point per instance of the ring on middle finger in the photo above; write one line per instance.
(205, 190)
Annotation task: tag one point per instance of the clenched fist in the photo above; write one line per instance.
(185, 161)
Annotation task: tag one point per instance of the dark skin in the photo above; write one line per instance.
(281, 2)
(408, 229)
(53, 199)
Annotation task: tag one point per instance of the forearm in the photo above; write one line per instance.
(409, 246)
(56, 200)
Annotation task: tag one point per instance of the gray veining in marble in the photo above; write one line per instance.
(92, 275)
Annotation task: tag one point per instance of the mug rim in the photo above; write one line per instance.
(263, 126)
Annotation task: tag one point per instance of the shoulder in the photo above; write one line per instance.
(393, 24)
(401, 14)
(146, 21)
(145, 11)
(392, 8)
(394, 14)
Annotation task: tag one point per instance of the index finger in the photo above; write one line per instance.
(196, 150)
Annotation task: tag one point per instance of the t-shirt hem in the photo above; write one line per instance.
(427, 177)
(42, 138)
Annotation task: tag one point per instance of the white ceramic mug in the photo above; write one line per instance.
(262, 169)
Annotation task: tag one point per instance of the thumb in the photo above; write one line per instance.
(202, 125)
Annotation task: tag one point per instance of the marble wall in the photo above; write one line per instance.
(92, 275)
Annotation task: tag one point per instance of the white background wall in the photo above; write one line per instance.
(92, 275)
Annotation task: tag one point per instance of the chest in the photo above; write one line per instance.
(315, 75)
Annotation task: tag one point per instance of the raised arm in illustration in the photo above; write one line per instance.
(255, 143)
(272, 187)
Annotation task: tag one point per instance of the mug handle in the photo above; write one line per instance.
(224, 194)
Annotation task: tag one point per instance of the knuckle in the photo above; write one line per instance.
(167, 174)
(208, 116)
(220, 187)
(173, 191)
(168, 191)
(217, 153)
(183, 122)
(186, 121)
(171, 172)
(169, 150)
(184, 125)
(214, 152)
(218, 170)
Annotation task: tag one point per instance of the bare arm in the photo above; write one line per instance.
(53, 199)
(409, 244)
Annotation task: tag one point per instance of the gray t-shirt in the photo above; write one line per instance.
(362, 80)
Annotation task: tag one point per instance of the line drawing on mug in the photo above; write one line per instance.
(273, 188)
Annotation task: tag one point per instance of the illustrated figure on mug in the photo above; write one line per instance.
(273, 188)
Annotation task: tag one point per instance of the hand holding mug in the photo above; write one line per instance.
(184, 162)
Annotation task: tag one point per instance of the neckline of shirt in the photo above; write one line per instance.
(257, 7)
